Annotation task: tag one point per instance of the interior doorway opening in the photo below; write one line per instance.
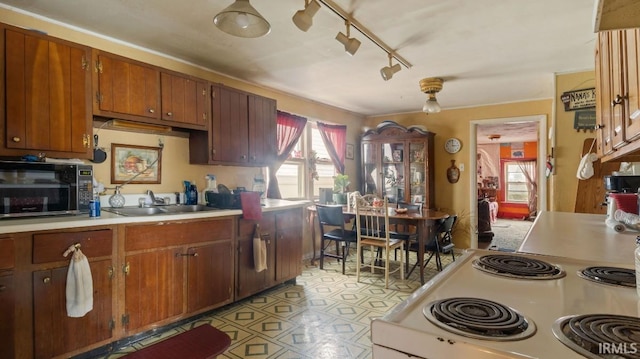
(477, 134)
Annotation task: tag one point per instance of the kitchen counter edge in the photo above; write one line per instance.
(8, 226)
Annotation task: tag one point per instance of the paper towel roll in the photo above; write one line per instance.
(615, 225)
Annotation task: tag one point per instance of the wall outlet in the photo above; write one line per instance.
(461, 167)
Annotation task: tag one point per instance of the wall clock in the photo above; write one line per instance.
(452, 145)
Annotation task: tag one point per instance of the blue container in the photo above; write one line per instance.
(94, 208)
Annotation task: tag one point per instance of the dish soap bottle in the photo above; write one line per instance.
(193, 195)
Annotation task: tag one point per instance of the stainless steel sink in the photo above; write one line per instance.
(158, 210)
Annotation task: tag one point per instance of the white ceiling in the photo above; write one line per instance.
(488, 51)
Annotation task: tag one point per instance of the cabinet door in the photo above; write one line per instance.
(210, 275)
(55, 332)
(7, 314)
(184, 100)
(370, 169)
(603, 95)
(262, 130)
(249, 281)
(633, 81)
(393, 171)
(417, 171)
(48, 91)
(231, 141)
(126, 88)
(288, 245)
(154, 287)
(618, 88)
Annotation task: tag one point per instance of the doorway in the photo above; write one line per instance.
(503, 124)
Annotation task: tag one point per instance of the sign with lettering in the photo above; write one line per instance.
(584, 120)
(575, 100)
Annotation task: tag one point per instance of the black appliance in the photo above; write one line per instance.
(622, 184)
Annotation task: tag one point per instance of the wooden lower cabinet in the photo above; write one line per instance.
(176, 269)
(7, 313)
(282, 231)
(54, 332)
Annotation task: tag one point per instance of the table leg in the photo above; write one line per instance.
(422, 235)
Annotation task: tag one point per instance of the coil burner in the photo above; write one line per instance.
(610, 275)
(479, 318)
(600, 335)
(518, 267)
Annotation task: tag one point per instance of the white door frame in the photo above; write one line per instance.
(473, 168)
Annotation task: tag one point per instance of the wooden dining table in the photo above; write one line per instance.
(424, 221)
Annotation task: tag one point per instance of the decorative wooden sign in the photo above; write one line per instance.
(579, 99)
(584, 120)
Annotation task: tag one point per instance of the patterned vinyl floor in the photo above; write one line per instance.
(325, 314)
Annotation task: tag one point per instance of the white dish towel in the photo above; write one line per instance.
(259, 251)
(79, 284)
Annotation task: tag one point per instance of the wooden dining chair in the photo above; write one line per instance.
(371, 225)
(331, 220)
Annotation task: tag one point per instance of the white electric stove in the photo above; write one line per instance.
(525, 316)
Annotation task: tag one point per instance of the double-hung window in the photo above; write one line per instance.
(295, 174)
(516, 183)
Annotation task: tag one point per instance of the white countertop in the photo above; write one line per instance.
(581, 236)
(108, 218)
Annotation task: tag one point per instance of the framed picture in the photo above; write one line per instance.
(135, 164)
(349, 154)
(416, 198)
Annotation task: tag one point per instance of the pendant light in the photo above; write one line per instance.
(242, 20)
(431, 86)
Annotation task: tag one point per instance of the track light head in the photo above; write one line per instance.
(388, 71)
(303, 19)
(351, 44)
(243, 20)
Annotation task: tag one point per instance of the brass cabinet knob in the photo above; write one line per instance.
(169, 114)
(16, 139)
(46, 280)
(151, 110)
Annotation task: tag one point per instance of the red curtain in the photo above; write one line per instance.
(289, 128)
(335, 140)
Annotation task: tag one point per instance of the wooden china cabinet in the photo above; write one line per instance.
(397, 162)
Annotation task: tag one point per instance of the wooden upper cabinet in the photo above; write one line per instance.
(633, 83)
(262, 130)
(185, 100)
(125, 88)
(47, 89)
(233, 127)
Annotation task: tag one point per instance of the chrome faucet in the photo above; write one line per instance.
(155, 201)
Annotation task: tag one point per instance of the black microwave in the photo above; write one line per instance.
(44, 189)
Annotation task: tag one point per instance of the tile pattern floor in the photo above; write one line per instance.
(323, 315)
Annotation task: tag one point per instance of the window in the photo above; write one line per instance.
(294, 176)
(516, 189)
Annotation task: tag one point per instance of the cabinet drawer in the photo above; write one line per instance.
(49, 247)
(7, 257)
(165, 234)
(267, 226)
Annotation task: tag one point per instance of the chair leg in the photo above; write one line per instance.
(386, 269)
(322, 253)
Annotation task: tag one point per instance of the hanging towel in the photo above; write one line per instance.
(251, 208)
(259, 251)
(79, 284)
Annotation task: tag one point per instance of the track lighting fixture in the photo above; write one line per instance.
(388, 71)
(431, 86)
(351, 44)
(304, 18)
(243, 20)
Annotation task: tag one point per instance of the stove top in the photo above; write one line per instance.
(479, 318)
(600, 335)
(610, 275)
(518, 267)
(411, 326)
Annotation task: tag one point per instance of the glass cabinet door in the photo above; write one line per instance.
(393, 171)
(417, 170)
(370, 169)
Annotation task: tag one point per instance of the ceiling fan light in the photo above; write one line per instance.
(242, 20)
(303, 19)
(388, 71)
(431, 105)
(351, 44)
